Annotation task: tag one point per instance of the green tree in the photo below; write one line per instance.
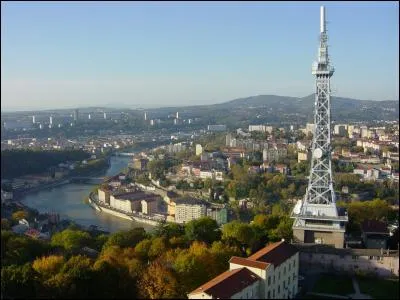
(71, 240)
(203, 229)
(158, 246)
(126, 238)
(239, 233)
(18, 282)
(142, 249)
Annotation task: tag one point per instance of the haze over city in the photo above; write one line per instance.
(150, 54)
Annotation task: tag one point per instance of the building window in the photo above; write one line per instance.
(284, 270)
(371, 258)
(269, 280)
(269, 294)
(355, 257)
(289, 280)
(279, 289)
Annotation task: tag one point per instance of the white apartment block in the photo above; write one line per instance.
(340, 129)
(262, 128)
(186, 211)
(271, 273)
(121, 204)
(275, 152)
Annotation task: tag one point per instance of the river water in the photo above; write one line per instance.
(68, 201)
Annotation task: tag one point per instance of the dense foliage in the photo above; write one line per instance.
(170, 262)
(16, 163)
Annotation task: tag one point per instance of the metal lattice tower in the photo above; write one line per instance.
(317, 211)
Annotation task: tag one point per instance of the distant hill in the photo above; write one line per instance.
(274, 109)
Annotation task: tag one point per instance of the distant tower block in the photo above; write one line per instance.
(177, 115)
(105, 115)
(89, 116)
(33, 119)
(316, 217)
(145, 116)
(51, 120)
(76, 115)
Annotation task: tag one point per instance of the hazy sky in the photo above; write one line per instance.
(148, 54)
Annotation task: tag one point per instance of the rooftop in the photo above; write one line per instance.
(249, 262)
(275, 253)
(228, 283)
(374, 226)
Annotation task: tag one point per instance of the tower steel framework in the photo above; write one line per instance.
(316, 216)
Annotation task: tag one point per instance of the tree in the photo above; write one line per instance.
(203, 229)
(20, 249)
(158, 282)
(18, 282)
(142, 249)
(158, 246)
(71, 240)
(19, 215)
(48, 266)
(239, 233)
(126, 238)
(5, 224)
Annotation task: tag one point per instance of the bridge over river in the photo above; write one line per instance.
(83, 179)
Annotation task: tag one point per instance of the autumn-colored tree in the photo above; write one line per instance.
(195, 266)
(158, 282)
(19, 215)
(48, 266)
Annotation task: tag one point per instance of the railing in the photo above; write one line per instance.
(312, 217)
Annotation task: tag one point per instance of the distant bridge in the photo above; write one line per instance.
(124, 154)
(88, 179)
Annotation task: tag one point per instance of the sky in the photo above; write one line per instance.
(152, 54)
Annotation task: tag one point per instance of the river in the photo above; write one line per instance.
(68, 201)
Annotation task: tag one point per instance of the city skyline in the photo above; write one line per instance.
(73, 55)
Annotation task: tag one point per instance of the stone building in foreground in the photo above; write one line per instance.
(271, 273)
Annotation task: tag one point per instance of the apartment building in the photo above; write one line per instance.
(271, 273)
(187, 209)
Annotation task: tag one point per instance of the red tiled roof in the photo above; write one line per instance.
(275, 253)
(249, 262)
(228, 283)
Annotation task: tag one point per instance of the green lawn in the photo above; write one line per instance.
(334, 284)
(379, 288)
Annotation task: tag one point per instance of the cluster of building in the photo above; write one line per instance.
(42, 227)
(156, 203)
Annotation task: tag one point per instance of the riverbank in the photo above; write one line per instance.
(109, 210)
(68, 201)
(64, 180)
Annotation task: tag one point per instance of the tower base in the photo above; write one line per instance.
(301, 235)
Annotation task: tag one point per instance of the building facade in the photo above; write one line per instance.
(271, 273)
